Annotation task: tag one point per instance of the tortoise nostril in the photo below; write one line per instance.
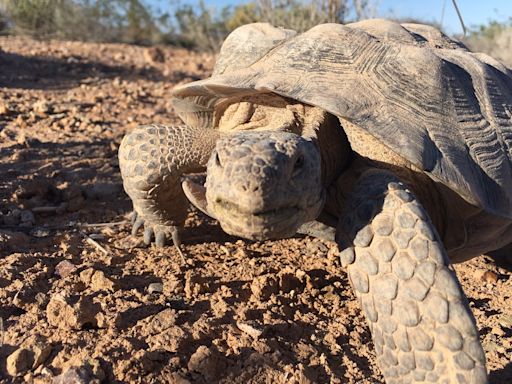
(244, 187)
(256, 188)
(217, 160)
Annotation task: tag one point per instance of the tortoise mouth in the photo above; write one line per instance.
(274, 214)
(258, 225)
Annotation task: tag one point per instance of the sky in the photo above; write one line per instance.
(474, 12)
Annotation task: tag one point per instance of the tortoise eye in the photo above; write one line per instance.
(217, 160)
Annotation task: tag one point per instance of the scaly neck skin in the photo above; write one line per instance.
(325, 129)
(197, 146)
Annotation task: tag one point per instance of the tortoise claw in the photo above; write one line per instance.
(160, 233)
(160, 238)
(137, 223)
(148, 234)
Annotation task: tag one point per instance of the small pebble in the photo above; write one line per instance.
(251, 328)
(489, 277)
(155, 288)
(19, 362)
(65, 268)
(75, 375)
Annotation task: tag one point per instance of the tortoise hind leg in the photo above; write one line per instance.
(421, 323)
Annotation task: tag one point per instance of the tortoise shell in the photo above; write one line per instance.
(445, 109)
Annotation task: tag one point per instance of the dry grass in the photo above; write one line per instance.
(498, 45)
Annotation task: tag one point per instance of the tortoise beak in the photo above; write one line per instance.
(196, 194)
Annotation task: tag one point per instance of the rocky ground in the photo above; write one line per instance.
(81, 298)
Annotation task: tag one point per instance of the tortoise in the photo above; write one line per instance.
(391, 139)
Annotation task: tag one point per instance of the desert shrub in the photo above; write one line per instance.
(494, 38)
(199, 28)
(32, 15)
(205, 29)
(4, 24)
(134, 21)
(101, 20)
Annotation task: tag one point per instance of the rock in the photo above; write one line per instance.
(99, 282)
(76, 375)
(207, 362)
(41, 352)
(62, 314)
(96, 280)
(162, 320)
(252, 328)
(65, 268)
(489, 277)
(86, 275)
(155, 288)
(19, 362)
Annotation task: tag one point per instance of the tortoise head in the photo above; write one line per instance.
(261, 185)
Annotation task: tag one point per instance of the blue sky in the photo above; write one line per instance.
(474, 12)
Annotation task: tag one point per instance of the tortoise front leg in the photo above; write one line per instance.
(420, 320)
(152, 160)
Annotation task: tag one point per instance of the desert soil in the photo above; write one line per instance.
(80, 298)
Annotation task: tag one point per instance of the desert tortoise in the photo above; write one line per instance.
(394, 135)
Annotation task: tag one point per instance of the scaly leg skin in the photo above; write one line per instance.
(420, 320)
(152, 160)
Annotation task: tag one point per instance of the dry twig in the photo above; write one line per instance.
(96, 245)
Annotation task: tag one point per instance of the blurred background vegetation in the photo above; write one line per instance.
(198, 26)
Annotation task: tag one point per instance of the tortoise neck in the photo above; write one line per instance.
(326, 131)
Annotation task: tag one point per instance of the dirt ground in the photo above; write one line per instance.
(82, 299)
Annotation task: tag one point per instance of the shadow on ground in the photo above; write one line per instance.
(41, 72)
(503, 375)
